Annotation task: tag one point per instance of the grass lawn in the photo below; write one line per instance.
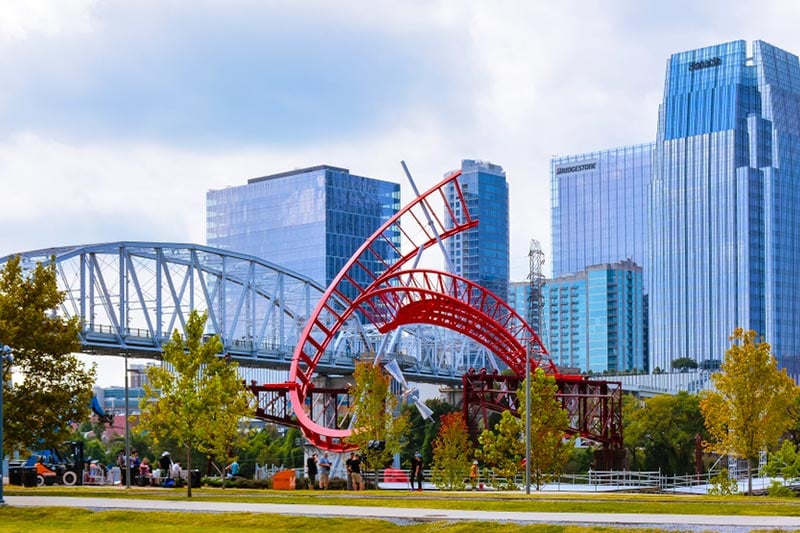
(48, 519)
(540, 502)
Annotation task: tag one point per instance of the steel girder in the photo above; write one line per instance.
(594, 407)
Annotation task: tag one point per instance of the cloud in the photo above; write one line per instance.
(117, 117)
(214, 74)
(31, 19)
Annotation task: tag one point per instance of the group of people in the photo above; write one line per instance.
(355, 481)
(142, 471)
(321, 465)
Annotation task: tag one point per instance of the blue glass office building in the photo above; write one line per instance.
(310, 221)
(593, 320)
(481, 254)
(599, 208)
(725, 204)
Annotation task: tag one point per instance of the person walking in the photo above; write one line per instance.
(417, 466)
(311, 469)
(324, 464)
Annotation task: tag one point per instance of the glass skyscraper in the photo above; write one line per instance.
(599, 208)
(310, 221)
(725, 204)
(593, 320)
(481, 254)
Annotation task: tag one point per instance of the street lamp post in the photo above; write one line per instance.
(527, 421)
(127, 423)
(5, 357)
(127, 431)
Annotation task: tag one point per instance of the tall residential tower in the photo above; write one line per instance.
(481, 254)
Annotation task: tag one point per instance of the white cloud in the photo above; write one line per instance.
(31, 19)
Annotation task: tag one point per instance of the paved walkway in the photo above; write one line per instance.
(665, 521)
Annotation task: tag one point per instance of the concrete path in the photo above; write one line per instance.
(396, 514)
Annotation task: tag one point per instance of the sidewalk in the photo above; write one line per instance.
(410, 514)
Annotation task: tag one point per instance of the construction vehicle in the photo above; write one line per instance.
(63, 465)
(53, 465)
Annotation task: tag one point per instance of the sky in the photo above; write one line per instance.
(116, 117)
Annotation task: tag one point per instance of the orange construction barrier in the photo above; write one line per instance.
(284, 480)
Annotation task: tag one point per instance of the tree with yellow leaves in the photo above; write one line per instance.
(751, 406)
(376, 416)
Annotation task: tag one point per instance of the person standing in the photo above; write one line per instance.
(311, 469)
(355, 472)
(324, 470)
(473, 475)
(349, 467)
(417, 466)
(165, 464)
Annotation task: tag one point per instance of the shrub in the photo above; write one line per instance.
(723, 485)
(779, 490)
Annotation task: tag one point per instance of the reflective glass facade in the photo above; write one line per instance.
(519, 295)
(599, 208)
(725, 204)
(310, 221)
(594, 320)
(481, 254)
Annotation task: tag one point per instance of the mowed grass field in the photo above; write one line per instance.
(28, 520)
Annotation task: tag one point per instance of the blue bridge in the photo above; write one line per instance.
(131, 296)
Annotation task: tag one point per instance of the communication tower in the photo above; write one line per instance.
(536, 278)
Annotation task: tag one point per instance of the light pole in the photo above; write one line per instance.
(127, 423)
(5, 357)
(528, 421)
(127, 431)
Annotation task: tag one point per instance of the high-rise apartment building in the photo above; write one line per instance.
(593, 320)
(481, 254)
(519, 298)
(599, 208)
(725, 205)
(310, 221)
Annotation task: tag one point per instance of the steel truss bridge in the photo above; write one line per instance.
(131, 296)
(437, 327)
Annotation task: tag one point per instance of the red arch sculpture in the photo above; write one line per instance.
(395, 297)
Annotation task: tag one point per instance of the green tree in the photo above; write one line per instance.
(784, 463)
(550, 450)
(52, 388)
(376, 415)
(200, 402)
(664, 430)
(752, 404)
(504, 448)
(452, 452)
(630, 406)
(684, 363)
